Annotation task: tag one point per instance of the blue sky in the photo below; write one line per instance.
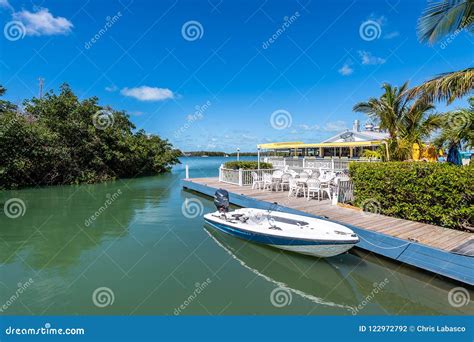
(222, 75)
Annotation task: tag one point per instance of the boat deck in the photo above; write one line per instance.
(375, 229)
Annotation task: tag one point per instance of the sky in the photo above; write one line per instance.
(219, 75)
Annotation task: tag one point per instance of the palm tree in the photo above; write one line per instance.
(458, 127)
(386, 110)
(407, 120)
(439, 19)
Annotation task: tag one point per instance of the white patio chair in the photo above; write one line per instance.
(277, 174)
(295, 188)
(293, 173)
(315, 174)
(285, 181)
(268, 182)
(308, 171)
(304, 175)
(325, 179)
(313, 187)
(257, 181)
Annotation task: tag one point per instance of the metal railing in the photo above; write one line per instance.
(241, 177)
(315, 163)
(345, 191)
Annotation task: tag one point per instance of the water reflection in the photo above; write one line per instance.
(63, 222)
(355, 283)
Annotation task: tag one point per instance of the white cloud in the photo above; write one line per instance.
(43, 23)
(391, 35)
(346, 70)
(305, 127)
(368, 59)
(335, 126)
(111, 88)
(145, 93)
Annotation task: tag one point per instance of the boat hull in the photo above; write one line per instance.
(318, 248)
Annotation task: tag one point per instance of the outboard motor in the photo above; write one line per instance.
(221, 200)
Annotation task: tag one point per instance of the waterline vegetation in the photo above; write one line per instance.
(60, 139)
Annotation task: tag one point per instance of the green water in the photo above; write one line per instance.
(156, 261)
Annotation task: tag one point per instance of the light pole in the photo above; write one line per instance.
(258, 158)
(238, 154)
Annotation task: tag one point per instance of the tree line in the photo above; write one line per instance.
(60, 139)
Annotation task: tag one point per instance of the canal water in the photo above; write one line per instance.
(140, 247)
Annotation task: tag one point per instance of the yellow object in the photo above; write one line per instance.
(291, 144)
(415, 153)
(428, 153)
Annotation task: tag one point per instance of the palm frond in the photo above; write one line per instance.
(443, 17)
(446, 87)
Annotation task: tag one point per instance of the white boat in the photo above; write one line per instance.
(301, 234)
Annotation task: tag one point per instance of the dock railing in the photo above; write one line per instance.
(315, 163)
(241, 177)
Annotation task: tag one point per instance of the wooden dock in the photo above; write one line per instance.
(444, 251)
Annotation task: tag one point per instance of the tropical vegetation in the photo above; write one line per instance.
(408, 121)
(441, 18)
(246, 165)
(60, 139)
(435, 193)
(408, 114)
(458, 128)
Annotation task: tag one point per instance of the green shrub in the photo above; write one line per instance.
(246, 165)
(58, 139)
(436, 193)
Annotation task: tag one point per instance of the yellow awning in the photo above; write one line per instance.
(287, 145)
